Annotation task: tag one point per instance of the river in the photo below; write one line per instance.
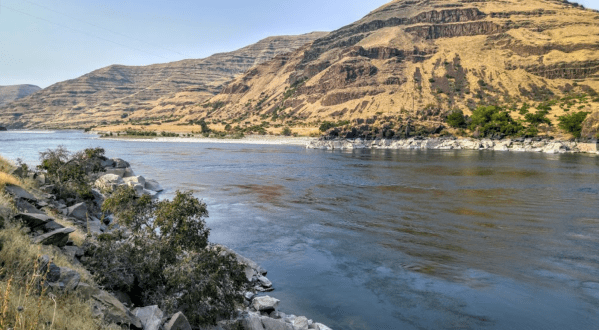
(390, 239)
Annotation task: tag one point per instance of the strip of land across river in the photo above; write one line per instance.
(416, 143)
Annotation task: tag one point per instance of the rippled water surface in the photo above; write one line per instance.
(391, 239)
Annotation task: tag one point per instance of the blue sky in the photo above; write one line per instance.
(46, 41)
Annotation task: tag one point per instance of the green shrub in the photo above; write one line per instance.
(286, 131)
(572, 123)
(456, 119)
(537, 118)
(491, 120)
(70, 174)
(165, 259)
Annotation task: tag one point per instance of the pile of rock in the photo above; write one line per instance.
(518, 144)
(119, 173)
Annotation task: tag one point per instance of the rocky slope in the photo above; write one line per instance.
(116, 92)
(11, 93)
(416, 60)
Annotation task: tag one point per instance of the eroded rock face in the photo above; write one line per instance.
(58, 237)
(590, 126)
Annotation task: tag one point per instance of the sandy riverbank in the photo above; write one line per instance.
(251, 139)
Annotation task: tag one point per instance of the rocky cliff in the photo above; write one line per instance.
(416, 60)
(117, 92)
(11, 93)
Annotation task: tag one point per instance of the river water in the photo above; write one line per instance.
(373, 239)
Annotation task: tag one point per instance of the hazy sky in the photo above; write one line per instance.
(46, 41)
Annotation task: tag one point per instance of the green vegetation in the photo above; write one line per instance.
(141, 133)
(286, 131)
(326, 125)
(572, 123)
(456, 119)
(70, 173)
(492, 120)
(166, 260)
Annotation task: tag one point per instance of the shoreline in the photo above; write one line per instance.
(251, 139)
(512, 145)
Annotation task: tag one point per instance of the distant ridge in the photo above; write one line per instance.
(14, 92)
(116, 92)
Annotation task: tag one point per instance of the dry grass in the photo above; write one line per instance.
(24, 305)
(6, 178)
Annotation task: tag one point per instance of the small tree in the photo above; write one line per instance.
(165, 260)
(572, 123)
(286, 131)
(456, 119)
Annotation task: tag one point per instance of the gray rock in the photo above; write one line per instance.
(119, 163)
(107, 163)
(252, 322)
(150, 317)
(249, 295)
(94, 226)
(249, 273)
(128, 172)
(23, 206)
(178, 322)
(72, 252)
(120, 172)
(33, 220)
(78, 211)
(320, 326)
(272, 324)
(18, 192)
(264, 281)
(109, 182)
(113, 311)
(139, 189)
(69, 278)
(57, 237)
(300, 322)
(135, 179)
(153, 185)
(49, 269)
(265, 304)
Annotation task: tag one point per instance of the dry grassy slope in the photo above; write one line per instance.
(109, 93)
(11, 93)
(419, 59)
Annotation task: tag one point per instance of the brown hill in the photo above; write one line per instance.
(415, 60)
(11, 93)
(118, 91)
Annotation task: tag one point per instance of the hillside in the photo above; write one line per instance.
(409, 63)
(117, 92)
(11, 93)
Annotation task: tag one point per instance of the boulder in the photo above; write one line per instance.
(178, 322)
(109, 182)
(113, 311)
(300, 323)
(139, 189)
(18, 192)
(120, 172)
(150, 317)
(153, 185)
(57, 237)
(69, 278)
(78, 211)
(252, 321)
(24, 206)
(136, 179)
(128, 172)
(265, 282)
(94, 226)
(320, 326)
(107, 163)
(272, 324)
(33, 220)
(265, 304)
(119, 163)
